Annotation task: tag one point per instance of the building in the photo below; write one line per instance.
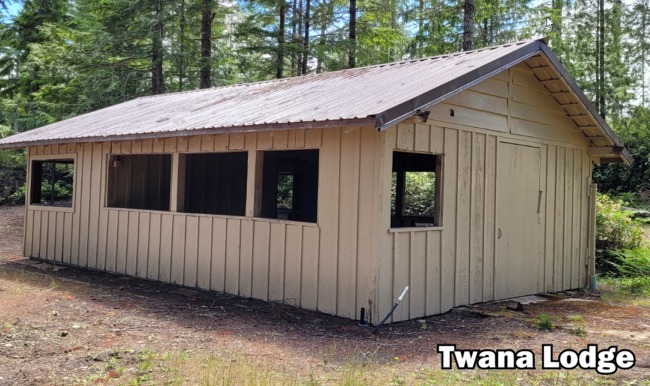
(299, 190)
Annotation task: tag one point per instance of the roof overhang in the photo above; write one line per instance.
(368, 121)
(555, 78)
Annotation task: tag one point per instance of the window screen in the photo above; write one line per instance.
(290, 185)
(139, 181)
(216, 183)
(52, 183)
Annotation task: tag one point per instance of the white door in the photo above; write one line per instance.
(518, 220)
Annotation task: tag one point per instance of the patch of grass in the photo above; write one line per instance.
(578, 326)
(544, 323)
(630, 290)
(124, 367)
(179, 368)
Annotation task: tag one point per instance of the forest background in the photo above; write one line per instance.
(61, 58)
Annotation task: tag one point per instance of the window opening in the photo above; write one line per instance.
(52, 183)
(415, 190)
(215, 183)
(140, 181)
(290, 185)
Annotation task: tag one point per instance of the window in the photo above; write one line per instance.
(139, 181)
(415, 190)
(52, 183)
(290, 185)
(216, 183)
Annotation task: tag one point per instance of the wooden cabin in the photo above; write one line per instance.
(298, 190)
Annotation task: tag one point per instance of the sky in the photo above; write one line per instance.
(12, 9)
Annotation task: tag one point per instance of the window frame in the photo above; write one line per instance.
(438, 199)
(75, 184)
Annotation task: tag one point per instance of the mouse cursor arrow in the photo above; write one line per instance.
(549, 23)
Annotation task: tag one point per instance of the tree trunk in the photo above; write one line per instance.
(321, 47)
(468, 25)
(181, 50)
(419, 44)
(294, 39)
(157, 82)
(644, 51)
(600, 95)
(280, 62)
(352, 56)
(207, 16)
(305, 43)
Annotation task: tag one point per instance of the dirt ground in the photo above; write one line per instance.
(63, 325)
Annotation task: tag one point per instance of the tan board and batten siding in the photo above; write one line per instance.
(350, 258)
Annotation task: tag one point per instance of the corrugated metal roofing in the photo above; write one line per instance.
(381, 94)
(363, 92)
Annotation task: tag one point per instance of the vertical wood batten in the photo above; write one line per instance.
(463, 220)
(328, 218)
(36, 240)
(246, 259)
(585, 183)
(144, 224)
(76, 216)
(153, 260)
(348, 222)
(218, 270)
(233, 249)
(102, 228)
(51, 235)
(293, 265)
(261, 241)
(86, 194)
(204, 253)
(449, 216)
(568, 219)
(28, 233)
(191, 251)
(277, 261)
(385, 259)
(541, 255)
(432, 277)
(122, 237)
(177, 267)
(401, 273)
(367, 206)
(575, 250)
(558, 266)
(418, 274)
(166, 247)
(549, 249)
(489, 223)
(93, 223)
(132, 243)
(59, 229)
(477, 216)
(309, 274)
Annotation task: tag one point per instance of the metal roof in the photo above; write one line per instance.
(381, 95)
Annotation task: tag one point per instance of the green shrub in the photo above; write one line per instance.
(544, 323)
(615, 233)
(615, 228)
(635, 262)
(638, 200)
